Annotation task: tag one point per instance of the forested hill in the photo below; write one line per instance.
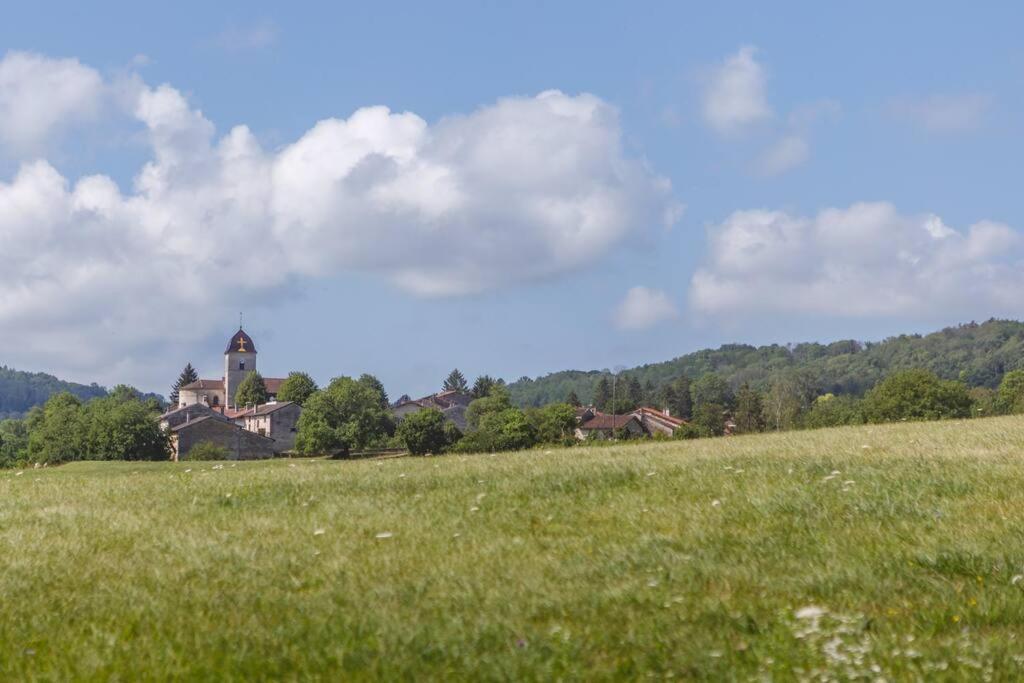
(20, 391)
(978, 354)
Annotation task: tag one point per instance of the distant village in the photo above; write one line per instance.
(207, 411)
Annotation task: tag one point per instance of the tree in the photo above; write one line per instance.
(425, 432)
(602, 394)
(711, 388)
(346, 413)
(748, 415)
(916, 395)
(252, 391)
(829, 410)
(13, 442)
(187, 376)
(494, 402)
(505, 430)
(683, 404)
(635, 393)
(789, 394)
(297, 387)
(375, 385)
(123, 427)
(554, 423)
(456, 381)
(1010, 395)
(573, 400)
(710, 419)
(483, 385)
(58, 432)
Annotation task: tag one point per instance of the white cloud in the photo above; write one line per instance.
(864, 260)
(944, 113)
(253, 37)
(97, 279)
(735, 93)
(643, 308)
(39, 96)
(784, 155)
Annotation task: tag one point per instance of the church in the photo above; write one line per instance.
(239, 363)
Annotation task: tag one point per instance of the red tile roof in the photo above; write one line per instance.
(205, 385)
(609, 421)
(655, 413)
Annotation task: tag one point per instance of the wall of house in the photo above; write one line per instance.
(241, 444)
(284, 426)
(191, 396)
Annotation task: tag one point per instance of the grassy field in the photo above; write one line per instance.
(890, 552)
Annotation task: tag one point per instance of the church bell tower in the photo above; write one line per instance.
(239, 361)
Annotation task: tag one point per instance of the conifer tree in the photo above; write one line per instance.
(573, 400)
(187, 376)
(603, 394)
(456, 382)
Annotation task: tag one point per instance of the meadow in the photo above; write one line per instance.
(889, 552)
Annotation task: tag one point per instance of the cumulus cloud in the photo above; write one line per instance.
(784, 155)
(40, 95)
(944, 113)
(519, 190)
(643, 308)
(864, 260)
(735, 93)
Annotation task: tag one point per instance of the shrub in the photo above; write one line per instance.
(424, 432)
(207, 450)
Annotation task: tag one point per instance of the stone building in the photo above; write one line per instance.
(451, 403)
(239, 363)
(279, 421)
(240, 443)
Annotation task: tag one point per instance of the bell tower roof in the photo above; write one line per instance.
(240, 343)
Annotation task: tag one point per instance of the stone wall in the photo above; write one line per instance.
(240, 443)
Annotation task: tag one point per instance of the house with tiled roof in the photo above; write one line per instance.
(451, 403)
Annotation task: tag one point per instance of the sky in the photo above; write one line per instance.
(507, 188)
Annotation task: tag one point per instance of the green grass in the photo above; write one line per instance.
(686, 560)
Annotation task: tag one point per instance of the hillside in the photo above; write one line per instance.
(20, 391)
(887, 552)
(978, 354)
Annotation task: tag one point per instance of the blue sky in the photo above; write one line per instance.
(845, 172)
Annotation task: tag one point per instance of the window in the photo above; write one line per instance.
(216, 400)
(241, 365)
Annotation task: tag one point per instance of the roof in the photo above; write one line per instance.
(191, 423)
(273, 384)
(204, 385)
(240, 342)
(609, 421)
(660, 415)
(268, 408)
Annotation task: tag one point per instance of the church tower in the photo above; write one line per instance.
(239, 361)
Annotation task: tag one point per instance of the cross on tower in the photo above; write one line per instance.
(241, 344)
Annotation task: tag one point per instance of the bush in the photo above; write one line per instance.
(424, 432)
(830, 410)
(207, 450)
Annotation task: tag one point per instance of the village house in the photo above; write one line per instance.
(451, 403)
(643, 421)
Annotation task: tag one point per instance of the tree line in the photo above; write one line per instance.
(976, 354)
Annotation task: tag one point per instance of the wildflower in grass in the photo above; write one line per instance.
(188, 470)
(956, 618)
(651, 474)
(402, 475)
(474, 509)
(1017, 579)
(384, 534)
(18, 474)
(318, 532)
(810, 612)
(715, 503)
